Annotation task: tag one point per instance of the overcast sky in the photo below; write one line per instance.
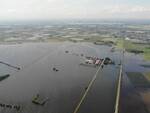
(74, 9)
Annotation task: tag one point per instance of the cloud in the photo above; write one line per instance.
(128, 9)
(51, 9)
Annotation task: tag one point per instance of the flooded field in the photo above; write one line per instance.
(64, 88)
(61, 91)
(135, 85)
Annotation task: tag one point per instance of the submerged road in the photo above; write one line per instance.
(65, 88)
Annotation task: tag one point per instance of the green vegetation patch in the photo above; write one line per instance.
(129, 46)
(147, 53)
(106, 41)
(114, 40)
(146, 50)
(138, 79)
(120, 43)
(137, 48)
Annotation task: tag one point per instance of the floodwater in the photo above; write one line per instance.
(131, 100)
(65, 87)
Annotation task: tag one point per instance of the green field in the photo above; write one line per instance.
(137, 48)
